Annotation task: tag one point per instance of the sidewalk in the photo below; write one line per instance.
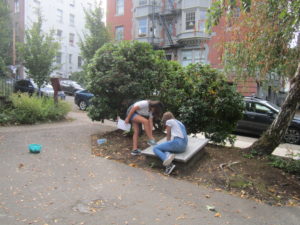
(283, 150)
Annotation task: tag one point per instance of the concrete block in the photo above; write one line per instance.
(194, 145)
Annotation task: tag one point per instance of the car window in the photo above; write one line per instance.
(259, 108)
(22, 83)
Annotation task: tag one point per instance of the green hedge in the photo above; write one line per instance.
(26, 109)
(198, 95)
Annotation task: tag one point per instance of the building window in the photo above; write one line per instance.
(37, 2)
(59, 34)
(71, 38)
(119, 33)
(59, 15)
(72, 3)
(170, 26)
(70, 58)
(58, 58)
(17, 6)
(142, 2)
(202, 21)
(193, 56)
(200, 56)
(142, 30)
(170, 4)
(72, 20)
(190, 20)
(187, 57)
(120, 7)
(79, 62)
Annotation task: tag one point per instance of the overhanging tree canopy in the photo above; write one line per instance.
(38, 53)
(5, 36)
(259, 43)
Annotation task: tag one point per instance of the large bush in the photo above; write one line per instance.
(175, 87)
(122, 73)
(29, 110)
(211, 105)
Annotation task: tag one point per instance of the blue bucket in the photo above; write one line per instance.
(35, 148)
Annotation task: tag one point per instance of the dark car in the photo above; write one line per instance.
(27, 86)
(82, 99)
(258, 116)
(70, 87)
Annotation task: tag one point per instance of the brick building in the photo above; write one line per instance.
(176, 26)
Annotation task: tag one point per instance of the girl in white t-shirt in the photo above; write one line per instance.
(142, 112)
(176, 141)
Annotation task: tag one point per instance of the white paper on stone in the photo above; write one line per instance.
(123, 126)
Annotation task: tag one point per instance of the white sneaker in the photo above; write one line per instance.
(169, 159)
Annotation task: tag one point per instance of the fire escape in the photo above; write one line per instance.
(166, 17)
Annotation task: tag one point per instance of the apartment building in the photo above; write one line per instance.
(176, 26)
(65, 17)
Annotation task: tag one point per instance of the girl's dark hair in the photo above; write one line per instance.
(157, 107)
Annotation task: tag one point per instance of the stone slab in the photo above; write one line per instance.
(194, 145)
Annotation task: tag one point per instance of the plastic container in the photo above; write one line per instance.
(101, 141)
(34, 148)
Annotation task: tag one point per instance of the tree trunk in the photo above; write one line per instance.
(273, 136)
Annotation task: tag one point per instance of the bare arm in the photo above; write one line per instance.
(168, 133)
(131, 112)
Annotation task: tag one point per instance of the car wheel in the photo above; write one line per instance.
(82, 105)
(292, 136)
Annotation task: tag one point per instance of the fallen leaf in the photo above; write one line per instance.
(91, 174)
(132, 165)
(180, 217)
(21, 165)
(218, 214)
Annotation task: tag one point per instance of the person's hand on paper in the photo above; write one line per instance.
(123, 126)
(127, 120)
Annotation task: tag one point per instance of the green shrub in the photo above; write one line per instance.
(211, 105)
(287, 165)
(121, 73)
(30, 110)
(175, 87)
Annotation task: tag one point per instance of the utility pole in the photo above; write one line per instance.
(14, 68)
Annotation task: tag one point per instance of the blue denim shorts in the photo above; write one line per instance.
(133, 115)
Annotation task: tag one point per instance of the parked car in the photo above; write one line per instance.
(82, 99)
(258, 116)
(25, 86)
(70, 87)
(48, 91)
(28, 86)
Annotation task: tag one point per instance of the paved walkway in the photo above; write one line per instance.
(66, 185)
(283, 150)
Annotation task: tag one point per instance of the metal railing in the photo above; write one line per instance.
(6, 86)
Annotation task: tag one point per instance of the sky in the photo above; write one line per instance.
(104, 9)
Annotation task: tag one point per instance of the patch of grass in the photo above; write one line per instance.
(25, 109)
(287, 165)
(239, 182)
(248, 156)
